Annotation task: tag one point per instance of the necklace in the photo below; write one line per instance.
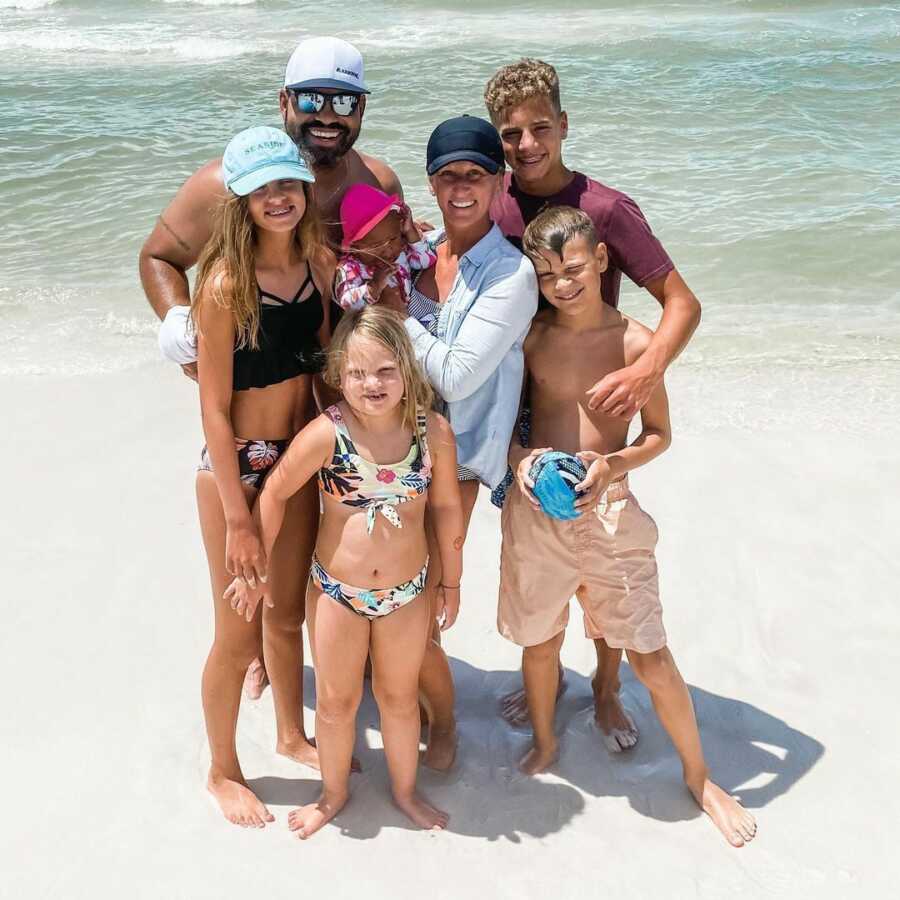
(322, 203)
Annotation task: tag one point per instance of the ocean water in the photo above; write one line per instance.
(762, 140)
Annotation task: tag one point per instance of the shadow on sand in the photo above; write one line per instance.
(750, 753)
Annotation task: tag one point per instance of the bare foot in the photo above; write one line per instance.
(256, 680)
(304, 751)
(238, 803)
(300, 750)
(514, 705)
(423, 814)
(616, 726)
(307, 820)
(537, 760)
(440, 753)
(738, 826)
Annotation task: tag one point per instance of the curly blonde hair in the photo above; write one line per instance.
(385, 326)
(518, 82)
(226, 271)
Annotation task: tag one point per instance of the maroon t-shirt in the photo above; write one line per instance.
(632, 246)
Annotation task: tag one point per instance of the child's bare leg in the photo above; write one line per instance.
(397, 649)
(438, 698)
(672, 701)
(282, 624)
(436, 691)
(340, 639)
(235, 644)
(435, 678)
(514, 705)
(540, 671)
(618, 730)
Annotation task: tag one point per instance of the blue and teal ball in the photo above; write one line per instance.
(555, 475)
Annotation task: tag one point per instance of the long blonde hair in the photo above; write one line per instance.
(226, 270)
(385, 326)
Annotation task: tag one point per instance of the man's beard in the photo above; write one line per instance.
(324, 157)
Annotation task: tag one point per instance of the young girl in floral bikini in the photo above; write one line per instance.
(379, 454)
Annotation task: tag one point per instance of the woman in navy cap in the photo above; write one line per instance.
(468, 317)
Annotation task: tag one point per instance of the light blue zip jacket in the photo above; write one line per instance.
(476, 362)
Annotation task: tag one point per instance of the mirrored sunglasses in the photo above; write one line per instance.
(308, 102)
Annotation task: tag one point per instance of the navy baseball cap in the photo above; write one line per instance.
(465, 138)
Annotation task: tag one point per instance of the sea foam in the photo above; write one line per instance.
(26, 5)
(144, 45)
(209, 2)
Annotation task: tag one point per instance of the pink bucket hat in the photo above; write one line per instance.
(362, 208)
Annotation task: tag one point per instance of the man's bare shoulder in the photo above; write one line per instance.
(636, 339)
(384, 174)
(206, 182)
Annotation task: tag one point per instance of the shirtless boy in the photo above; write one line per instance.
(605, 556)
(523, 100)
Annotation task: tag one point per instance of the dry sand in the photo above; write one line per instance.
(779, 569)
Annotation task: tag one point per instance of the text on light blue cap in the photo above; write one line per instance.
(261, 154)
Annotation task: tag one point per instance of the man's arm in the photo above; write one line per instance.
(639, 254)
(625, 391)
(177, 239)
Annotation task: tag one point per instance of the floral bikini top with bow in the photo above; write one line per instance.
(356, 481)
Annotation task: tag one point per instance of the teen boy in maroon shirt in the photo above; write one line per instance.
(524, 104)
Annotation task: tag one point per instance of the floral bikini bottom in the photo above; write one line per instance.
(255, 459)
(369, 603)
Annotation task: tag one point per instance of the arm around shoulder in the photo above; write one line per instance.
(680, 318)
(656, 429)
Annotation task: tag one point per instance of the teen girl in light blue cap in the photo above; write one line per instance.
(260, 311)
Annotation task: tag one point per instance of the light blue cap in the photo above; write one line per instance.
(258, 155)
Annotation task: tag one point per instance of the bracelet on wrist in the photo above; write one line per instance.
(450, 587)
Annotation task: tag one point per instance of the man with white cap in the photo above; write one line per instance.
(322, 104)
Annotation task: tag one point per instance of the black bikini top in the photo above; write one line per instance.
(288, 340)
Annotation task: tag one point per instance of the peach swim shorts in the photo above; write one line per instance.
(605, 558)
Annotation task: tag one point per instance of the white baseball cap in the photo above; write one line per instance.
(326, 62)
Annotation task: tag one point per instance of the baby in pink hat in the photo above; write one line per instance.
(381, 247)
